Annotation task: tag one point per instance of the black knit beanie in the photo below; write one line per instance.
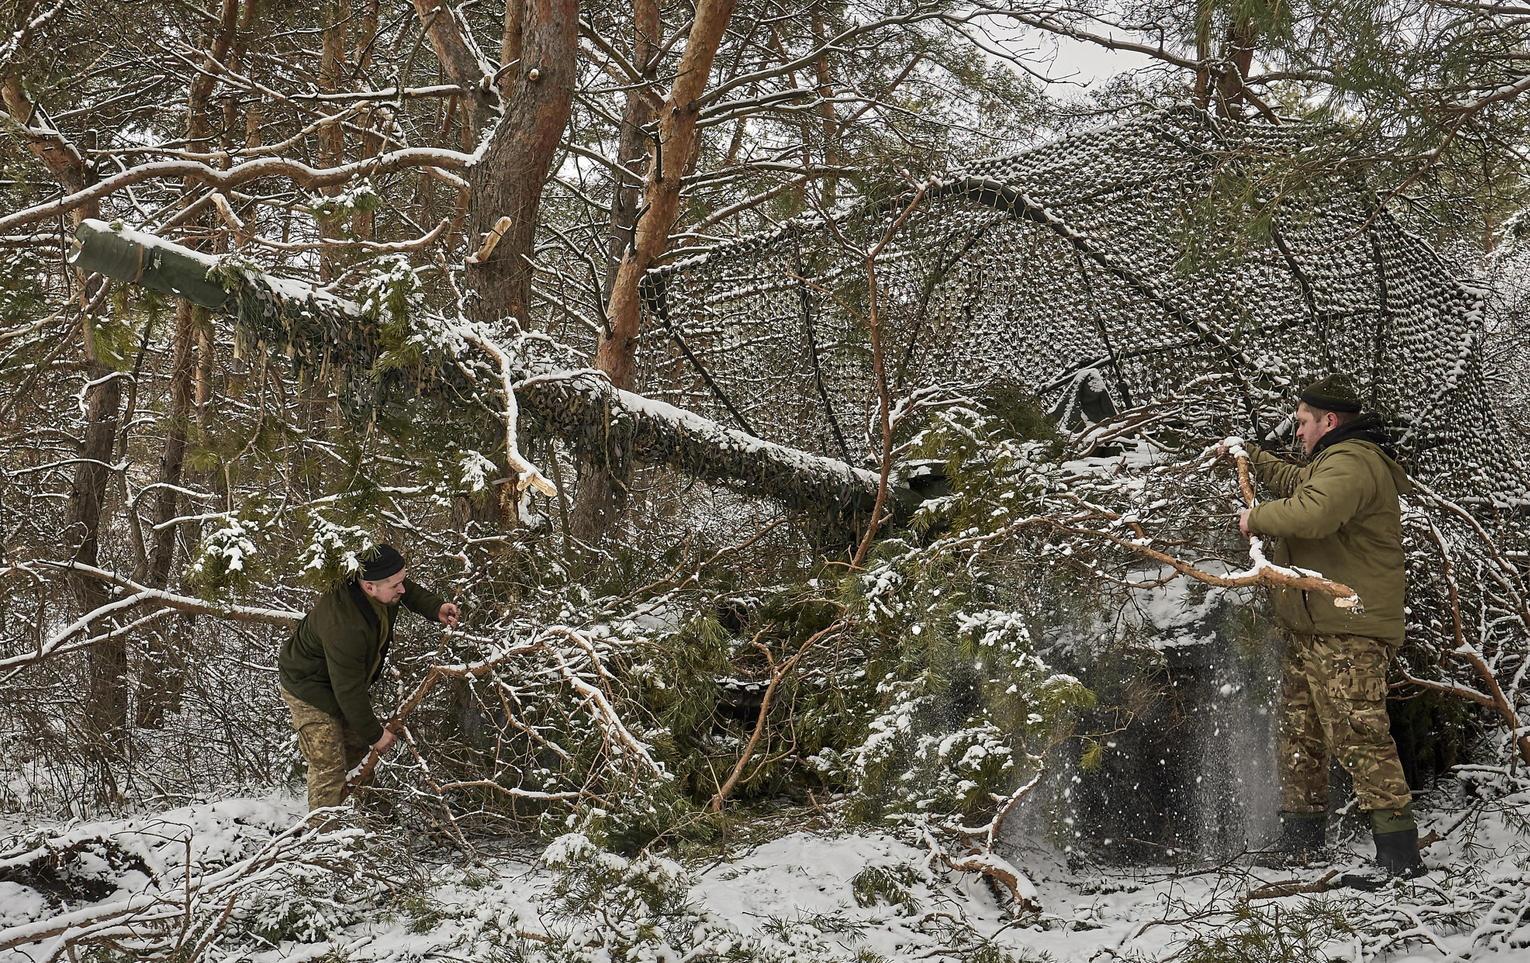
(383, 562)
(1333, 393)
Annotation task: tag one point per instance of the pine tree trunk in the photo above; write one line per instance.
(332, 136)
(600, 484)
(161, 677)
(508, 182)
(596, 501)
(106, 706)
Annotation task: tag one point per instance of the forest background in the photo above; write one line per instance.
(656, 659)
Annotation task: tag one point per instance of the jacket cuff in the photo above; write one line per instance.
(372, 733)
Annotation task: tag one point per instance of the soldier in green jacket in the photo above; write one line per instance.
(1338, 514)
(332, 659)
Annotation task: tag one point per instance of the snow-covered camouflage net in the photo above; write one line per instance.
(1195, 264)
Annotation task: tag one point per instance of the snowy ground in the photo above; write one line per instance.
(261, 888)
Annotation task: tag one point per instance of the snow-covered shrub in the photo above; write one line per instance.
(333, 551)
(886, 884)
(226, 555)
(308, 905)
(965, 707)
(360, 198)
(394, 295)
(614, 908)
(1305, 932)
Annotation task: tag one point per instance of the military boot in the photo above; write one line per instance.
(1397, 852)
(1396, 837)
(1301, 840)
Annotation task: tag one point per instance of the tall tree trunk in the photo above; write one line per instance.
(106, 709)
(161, 675)
(1204, 76)
(507, 183)
(539, 43)
(364, 222)
(511, 43)
(106, 702)
(461, 59)
(829, 119)
(1239, 54)
(332, 136)
(677, 142)
(633, 141)
(599, 482)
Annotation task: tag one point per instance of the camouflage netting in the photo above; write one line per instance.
(1185, 262)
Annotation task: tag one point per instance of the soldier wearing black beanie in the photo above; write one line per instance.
(337, 652)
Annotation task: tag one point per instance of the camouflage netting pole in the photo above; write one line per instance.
(316, 330)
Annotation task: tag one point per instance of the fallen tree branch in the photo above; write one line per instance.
(295, 171)
(1494, 698)
(778, 673)
(317, 329)
(601, 708)
(183, 603)
(1293, 887)
(1021, 890)
(168, 899)
(530, 475)
(1263, 573)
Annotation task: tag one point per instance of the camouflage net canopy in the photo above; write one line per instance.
(1184, 262)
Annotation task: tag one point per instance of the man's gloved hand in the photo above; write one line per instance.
(1229, 447)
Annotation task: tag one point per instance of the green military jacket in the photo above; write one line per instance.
(338, 650)
(1338, 514)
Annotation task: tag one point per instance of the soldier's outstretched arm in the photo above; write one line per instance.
(1272, 471)
(422, 601)
(1319, 506)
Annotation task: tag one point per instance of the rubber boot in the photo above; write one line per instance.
(1396, 837)
(1397, 852)
(1301, 841)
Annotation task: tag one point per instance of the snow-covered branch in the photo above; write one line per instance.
(298, 172)
(580, 406)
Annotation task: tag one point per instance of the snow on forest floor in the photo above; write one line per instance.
(263, 888)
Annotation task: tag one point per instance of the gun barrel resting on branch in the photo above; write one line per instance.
(580, 407)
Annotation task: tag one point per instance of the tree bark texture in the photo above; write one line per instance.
(332, 136)
(632, 144)
(617, 353)
(596, 503)
(106, 706)
(460, 58)
(508, 182)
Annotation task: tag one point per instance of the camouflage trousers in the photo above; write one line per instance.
(331, 748)
(1333, 704)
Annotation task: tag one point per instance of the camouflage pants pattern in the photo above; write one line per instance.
(1333, 704)
(331, 748)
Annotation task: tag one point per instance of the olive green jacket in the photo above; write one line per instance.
(1337, 514)
(338, 650)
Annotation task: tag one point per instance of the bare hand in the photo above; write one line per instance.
(1243, 523)
(449, 613)
(385, 742)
